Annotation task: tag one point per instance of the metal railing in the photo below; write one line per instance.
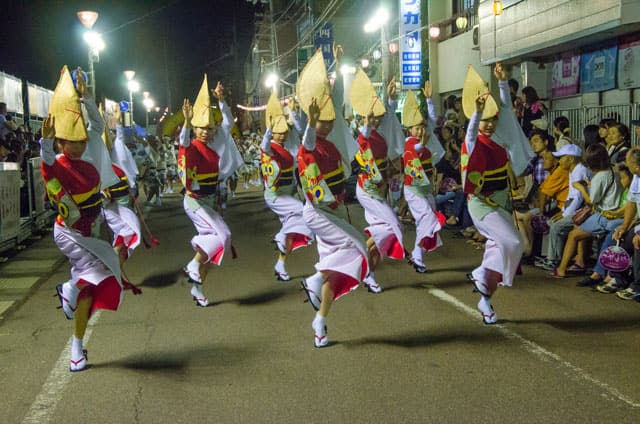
(591, 115)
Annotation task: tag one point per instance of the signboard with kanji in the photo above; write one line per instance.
(411, 44)
(323, 40)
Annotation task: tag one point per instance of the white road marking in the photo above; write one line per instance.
(43, 408)
(534, 348)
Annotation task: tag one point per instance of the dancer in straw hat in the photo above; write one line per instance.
(327, 143)
(277, 150)
(492, 149)
(73, 184)
(210, 157)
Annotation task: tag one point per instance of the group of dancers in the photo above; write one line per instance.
(320, 148)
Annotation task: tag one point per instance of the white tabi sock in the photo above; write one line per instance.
(416, 255)
(76, 349)
(280, 266)
(315, 280)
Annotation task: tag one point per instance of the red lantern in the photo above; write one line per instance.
(393, 48)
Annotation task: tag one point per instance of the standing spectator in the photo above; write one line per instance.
(533, 108)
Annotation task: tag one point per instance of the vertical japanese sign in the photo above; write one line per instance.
(323, 40)
(411, 45)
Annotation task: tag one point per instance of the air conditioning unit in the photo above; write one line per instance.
(476, 37)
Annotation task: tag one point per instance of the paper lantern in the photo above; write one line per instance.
(497, 7)
(461, 22)
(434, 32)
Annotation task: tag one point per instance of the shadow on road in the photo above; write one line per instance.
(591, 325)
(178, 363)
(255, 299)
(161, 280)
(426, 339)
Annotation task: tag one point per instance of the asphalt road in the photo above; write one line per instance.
(417, 353)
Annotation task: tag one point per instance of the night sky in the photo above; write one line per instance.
(195, 37)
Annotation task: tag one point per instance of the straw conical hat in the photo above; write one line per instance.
(65, 108)
(363, 96)
(411, 115)
(313, 83)
(473, 87)
(274, 110)
(205, 114)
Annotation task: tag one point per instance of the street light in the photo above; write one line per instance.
(377, 22)
(148, 104)
(132, 86)
(94, 40)
(271, 80)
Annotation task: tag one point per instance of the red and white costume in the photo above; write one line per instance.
(485, 164)
(74, 186)
(342, 250)
(384, 226)
(278, 169)
(201, 166)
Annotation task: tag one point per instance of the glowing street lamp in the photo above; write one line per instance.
(94, 40)
(87, 18)
(148, 104)
(271, 80)
(375, 23)
(133, 86)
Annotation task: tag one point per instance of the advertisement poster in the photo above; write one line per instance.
(598, 70)
(629, 65)
(565, 78)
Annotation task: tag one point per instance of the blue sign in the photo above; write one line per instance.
(410, 45)
(124, 106)
(323, 40)
(598, 70)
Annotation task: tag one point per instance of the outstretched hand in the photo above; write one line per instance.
(338, 52)
(187, 111)
(428, 89)
(49, 128)
(314, 112)
(81, 85)
(218, 92)
(500, 72)
(392, 90)
(481, 100)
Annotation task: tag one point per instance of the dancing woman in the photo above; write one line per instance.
(73, 185)
(280, 185)
(209, 158)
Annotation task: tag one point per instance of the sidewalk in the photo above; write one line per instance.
(23, 273)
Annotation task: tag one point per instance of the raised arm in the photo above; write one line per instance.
(474, 125)
(338, 85)
(265, 146)
(309, 137)
(297, 115)
(47, 153)
(505, 95)
(187, 111)
(227, 116)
